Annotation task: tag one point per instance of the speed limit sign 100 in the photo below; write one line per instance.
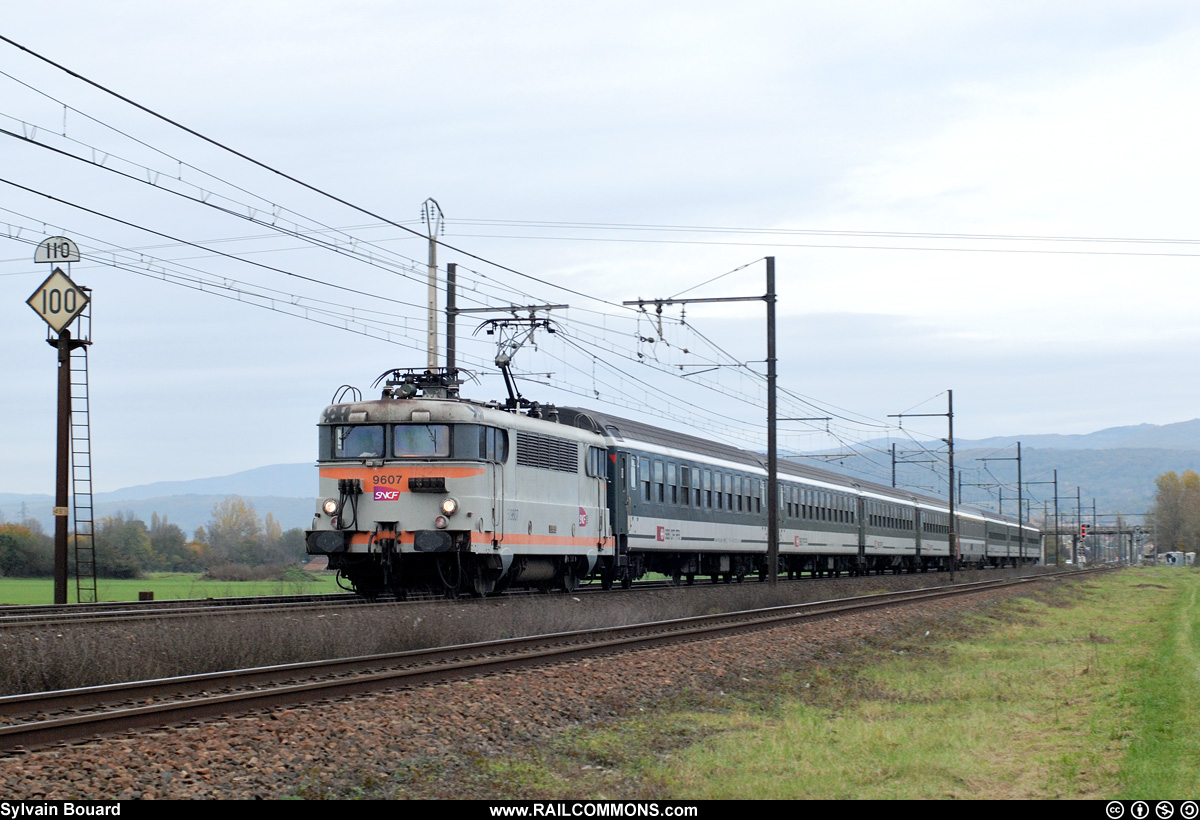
(58, 300)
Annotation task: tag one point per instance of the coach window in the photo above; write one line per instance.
(644, 475)
(695, 487)
(659, 489)
(737, 491)
(706, 488)
(685, 478)
(361, 441)
(727, 480)
(672, 483)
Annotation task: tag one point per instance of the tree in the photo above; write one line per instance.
(1176, 512)
(25, 551)
(291, 548)
(170, 547)
(123, 547)
(235, 532)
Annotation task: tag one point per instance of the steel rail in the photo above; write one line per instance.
(348, 676)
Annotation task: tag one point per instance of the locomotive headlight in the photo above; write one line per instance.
(440, 522)
(330, 506)
(449, 506)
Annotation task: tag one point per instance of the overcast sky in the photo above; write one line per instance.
(925, 175)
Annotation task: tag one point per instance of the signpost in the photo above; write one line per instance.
(59, 301)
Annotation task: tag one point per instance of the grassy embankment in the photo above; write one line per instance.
(1087, 690)
(165, 586)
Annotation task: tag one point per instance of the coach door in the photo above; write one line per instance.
(860, 510)
(918, 523)
(620, 480)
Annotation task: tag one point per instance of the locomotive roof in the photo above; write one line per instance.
(636, 431)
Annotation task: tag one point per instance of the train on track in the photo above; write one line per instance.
(423, 490)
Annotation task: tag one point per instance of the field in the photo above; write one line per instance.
(1087, 691)
(165, 586)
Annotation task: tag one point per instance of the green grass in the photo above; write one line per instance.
(165, 586)
(1086, 691)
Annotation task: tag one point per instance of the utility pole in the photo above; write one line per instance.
(1045, 518)
(1079, 520)
(1096, 540)
(772, 448)
(1020, 494)
(451, 317)
(1057, 560)
(431, 215)
(949, 414)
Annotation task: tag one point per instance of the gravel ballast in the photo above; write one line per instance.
(427, 741)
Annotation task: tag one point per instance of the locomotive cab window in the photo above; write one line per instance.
(596, 462)
(358, 441)
(421, 440)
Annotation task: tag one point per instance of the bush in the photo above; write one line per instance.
(242, 572)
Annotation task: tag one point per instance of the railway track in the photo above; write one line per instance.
(26, 615)
(38, 719)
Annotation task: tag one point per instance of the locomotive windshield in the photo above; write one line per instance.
(421, 441)
(468, 442)
(361, 441)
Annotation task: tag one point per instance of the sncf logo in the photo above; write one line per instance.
(386, 494)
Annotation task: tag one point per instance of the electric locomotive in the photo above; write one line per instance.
(423, 490)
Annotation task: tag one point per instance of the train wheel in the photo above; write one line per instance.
(690, 579)
(626, 581)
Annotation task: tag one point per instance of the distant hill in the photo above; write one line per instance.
(286, 491)
(285, 480)
(1183, 435)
